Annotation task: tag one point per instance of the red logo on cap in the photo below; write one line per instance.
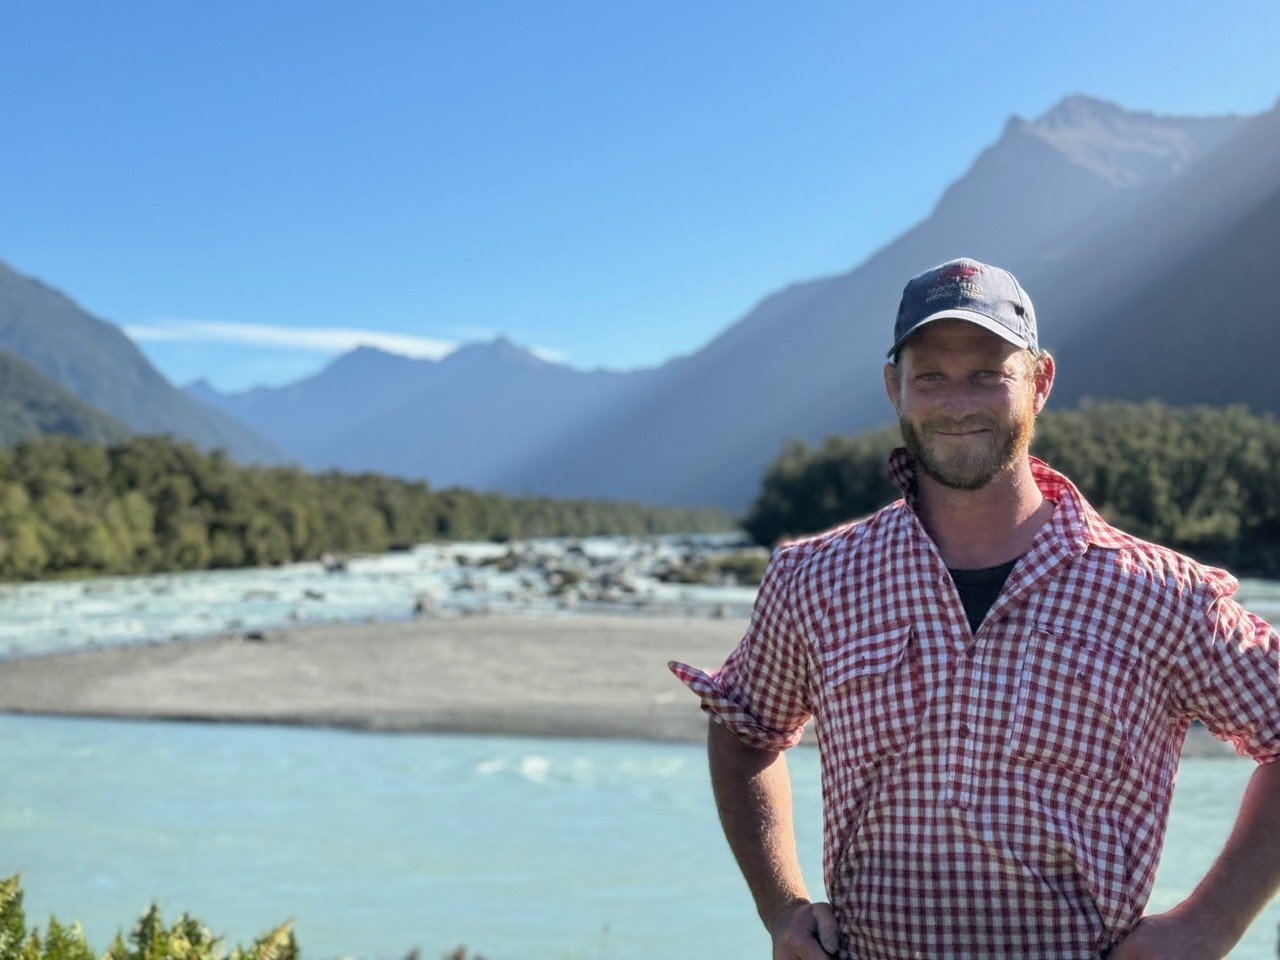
(958, 272)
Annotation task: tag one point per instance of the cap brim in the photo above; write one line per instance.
(981, 320)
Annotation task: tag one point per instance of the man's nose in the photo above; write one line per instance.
(958, 399)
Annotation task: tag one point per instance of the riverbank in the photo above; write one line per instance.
(600, 676)
(571, 676)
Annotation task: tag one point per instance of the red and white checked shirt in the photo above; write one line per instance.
(1002, 793)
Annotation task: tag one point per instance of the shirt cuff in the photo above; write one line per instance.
(723, 708)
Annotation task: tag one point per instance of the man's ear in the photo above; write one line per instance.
(1044, 375)
(892, 385)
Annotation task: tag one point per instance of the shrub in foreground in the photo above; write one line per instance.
(151, 939)
(187, 939)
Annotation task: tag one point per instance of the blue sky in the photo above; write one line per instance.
(252, 188)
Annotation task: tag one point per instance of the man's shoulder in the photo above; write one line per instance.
(845, 539)
(1114, 555)
(1135, 560)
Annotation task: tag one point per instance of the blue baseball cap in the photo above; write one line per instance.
(968, 290)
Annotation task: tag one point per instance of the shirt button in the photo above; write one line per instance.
(971, 653)
(964, 730)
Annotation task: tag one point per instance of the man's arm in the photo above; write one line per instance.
(1240, 883)
(753, 794)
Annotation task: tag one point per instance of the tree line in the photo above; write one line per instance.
(1203, 480)
(150, 504)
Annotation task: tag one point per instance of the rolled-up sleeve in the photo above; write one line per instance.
(761, 692)
(1230, 673)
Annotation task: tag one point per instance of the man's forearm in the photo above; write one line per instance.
(753, 795)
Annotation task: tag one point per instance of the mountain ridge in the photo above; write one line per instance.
(805, 362)
(1121, 224)
(94, 360)
(33, 406)
(455, 420)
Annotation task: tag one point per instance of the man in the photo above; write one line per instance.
(1001, 683)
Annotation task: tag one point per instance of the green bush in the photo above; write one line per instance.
(187, 939)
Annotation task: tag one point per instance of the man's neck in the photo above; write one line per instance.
(974, 529)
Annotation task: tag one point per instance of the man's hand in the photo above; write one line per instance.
(1172, 936)
(805, 931)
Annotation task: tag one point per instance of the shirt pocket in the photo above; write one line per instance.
(1073, 705)
(872, 690)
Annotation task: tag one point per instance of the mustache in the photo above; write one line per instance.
(946, 425)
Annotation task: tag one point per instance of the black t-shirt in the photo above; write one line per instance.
(979, 589)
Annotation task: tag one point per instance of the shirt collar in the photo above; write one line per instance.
(1074, 520)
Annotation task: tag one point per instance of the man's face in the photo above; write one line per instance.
(967, 402)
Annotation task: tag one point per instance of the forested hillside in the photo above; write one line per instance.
(32, 405)
(1201, 480)
(94, 360)
(148, 504)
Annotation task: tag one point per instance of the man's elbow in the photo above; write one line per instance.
(726, 750)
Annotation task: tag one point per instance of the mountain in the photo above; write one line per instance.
(32, 405)
(806, 361)
(1208, 330)
(96, 362)
(458, 420)
(304, 417)
(1147, 243)
(1179, 301)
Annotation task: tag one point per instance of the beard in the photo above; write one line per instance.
(973, 464)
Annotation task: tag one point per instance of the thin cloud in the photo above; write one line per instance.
(322, 340)
(326, 340)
